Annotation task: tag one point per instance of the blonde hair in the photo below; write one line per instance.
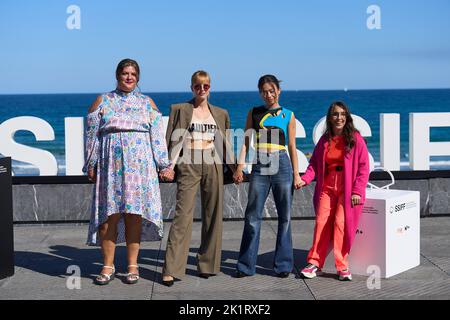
(200, 74)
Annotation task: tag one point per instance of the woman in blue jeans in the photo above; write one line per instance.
(274, 129)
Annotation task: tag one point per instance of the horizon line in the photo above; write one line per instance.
(235, 91)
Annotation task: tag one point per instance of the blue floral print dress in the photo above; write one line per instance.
(125, 144)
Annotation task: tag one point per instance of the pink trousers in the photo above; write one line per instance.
(330, 221)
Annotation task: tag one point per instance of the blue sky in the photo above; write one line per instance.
(308, 44)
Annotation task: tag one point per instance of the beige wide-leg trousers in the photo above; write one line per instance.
(209, 176)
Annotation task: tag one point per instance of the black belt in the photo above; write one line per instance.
(338, 168)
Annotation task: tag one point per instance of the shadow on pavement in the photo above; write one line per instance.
(57, 261)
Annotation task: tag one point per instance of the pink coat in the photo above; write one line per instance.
(356, 176)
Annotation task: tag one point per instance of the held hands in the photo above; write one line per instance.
(167, 174)
(238, 176)
(356, 199)
(298, 182)
(92, 175)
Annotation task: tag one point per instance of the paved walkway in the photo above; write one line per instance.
(43, 255)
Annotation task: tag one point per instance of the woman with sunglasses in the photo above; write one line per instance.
(340, 164)
(125, 150)
(274, 127)
(197, 143)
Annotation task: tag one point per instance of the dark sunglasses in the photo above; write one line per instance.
(199, 86)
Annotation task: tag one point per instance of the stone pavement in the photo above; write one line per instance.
(43, 255)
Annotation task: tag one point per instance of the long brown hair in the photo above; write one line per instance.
(349, 127)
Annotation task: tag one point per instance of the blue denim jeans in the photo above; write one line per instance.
(262, 179)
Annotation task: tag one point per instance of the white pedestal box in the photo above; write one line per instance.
(388, 236)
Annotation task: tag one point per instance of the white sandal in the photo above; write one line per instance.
(132, 278)
(105, 278)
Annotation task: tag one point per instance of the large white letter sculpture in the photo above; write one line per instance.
(390, 141)
(420, 147)
(300, 133)
(74, 132)
(42, 130)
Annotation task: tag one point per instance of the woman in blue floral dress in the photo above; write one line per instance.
(125, 150)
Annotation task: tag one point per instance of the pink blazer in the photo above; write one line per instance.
(356, 176)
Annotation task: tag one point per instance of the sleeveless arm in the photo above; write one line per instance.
(292, 148)
(311, 170)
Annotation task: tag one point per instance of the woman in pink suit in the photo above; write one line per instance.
(340, 164)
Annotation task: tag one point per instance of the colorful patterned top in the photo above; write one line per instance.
(271, 123)
(125, 145)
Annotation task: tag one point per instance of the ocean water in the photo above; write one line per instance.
(308, 106)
